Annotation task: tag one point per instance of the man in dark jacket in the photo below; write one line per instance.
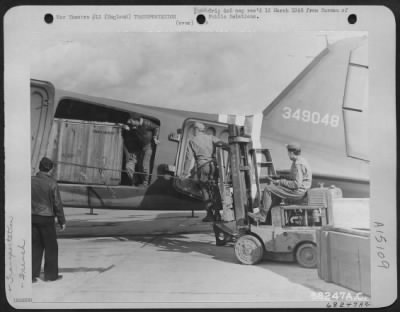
(140, 139)
(46, 205)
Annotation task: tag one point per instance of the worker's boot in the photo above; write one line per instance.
(217, 216)
(209, 217)
(258, 217)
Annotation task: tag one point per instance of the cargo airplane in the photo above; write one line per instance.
(324, 109)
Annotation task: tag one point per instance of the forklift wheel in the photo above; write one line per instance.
(248, 249)
(306, 255)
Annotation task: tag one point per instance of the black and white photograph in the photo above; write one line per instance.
(184, 163)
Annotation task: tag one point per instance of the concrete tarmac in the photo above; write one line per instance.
(166, 258)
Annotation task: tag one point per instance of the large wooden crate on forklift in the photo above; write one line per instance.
(344, 257)
(87, 152)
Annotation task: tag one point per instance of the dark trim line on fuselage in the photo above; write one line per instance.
(351, 188)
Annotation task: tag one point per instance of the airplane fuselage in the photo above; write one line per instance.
(314, 110)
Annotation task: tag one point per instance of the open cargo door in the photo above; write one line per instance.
(42, 107)
(220, 130)
(190, 186)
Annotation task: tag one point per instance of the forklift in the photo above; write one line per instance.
(290, 231)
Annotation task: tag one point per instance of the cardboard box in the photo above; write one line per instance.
(86, 151)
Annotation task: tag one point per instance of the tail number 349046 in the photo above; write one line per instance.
(304, 115)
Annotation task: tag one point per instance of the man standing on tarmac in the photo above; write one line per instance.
(293, 188)
(46, 205)
(202, 148)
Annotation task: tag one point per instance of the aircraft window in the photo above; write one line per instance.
(211, 131)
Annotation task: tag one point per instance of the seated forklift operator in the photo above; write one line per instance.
(294, 188)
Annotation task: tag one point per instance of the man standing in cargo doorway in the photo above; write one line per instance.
(293, 188)
(139, 141)
(202, 148)
(46, 205)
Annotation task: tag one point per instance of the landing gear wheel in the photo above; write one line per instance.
(248, 249)
(306, 255)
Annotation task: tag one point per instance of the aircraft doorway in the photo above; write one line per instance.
(95, 144)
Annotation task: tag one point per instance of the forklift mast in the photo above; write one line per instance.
(239, 181)
(240, 174)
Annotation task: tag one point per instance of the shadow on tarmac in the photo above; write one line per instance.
(292, 271)
(181, 243)
(133, 225)
(85, 269)
(169, 232)
(79, 270)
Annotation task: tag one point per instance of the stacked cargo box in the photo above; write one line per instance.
(344, 245)
(86, 152)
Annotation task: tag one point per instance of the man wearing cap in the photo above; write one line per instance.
(293, 188)
(46, 205)
(202, 149)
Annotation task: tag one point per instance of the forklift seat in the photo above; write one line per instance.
(289, 201)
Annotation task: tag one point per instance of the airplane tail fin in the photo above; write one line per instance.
(325, 110)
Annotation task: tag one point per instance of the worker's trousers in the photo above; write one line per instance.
(145, 159)
(44, 240)
(273, 194)
(206, 173)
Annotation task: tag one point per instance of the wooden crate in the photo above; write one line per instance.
(350, 213)
(88, 152)
(344, 257)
